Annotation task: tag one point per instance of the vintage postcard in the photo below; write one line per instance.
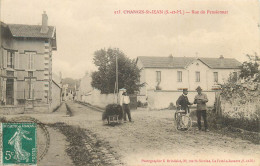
(130, 82)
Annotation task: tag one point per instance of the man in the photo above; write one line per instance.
(125, 100)
(201, 100)
(183, 101)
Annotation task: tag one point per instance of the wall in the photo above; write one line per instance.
(56, 95)
(85, 86)
(162, 99)
(98, 99)
(241, 100)
(22, 46)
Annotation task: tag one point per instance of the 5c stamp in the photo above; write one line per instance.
(18, 143)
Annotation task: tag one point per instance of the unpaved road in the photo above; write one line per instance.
(152, 137)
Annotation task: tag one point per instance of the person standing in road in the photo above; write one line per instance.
(125, 101)
(183, 102)
(201, 100)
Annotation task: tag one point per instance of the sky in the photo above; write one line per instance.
(84, 26)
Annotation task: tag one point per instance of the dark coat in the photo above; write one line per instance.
(183, 101)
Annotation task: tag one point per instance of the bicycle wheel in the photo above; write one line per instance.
(178, 123)
(186, 122)
(175, 116)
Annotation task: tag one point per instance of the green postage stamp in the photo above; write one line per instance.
(18, 144)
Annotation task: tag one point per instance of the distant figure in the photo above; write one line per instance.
(201, 100)
(125, 101)
(183, 102)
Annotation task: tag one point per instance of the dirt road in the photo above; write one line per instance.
(152, 140)
(152, 136)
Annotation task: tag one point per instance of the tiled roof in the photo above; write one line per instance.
(33, 31)
(225, 63)
(182, 62)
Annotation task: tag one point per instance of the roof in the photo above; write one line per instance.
(182, 62)
(32, 31)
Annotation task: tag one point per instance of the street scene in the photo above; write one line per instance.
(129, 83)
(152, 136)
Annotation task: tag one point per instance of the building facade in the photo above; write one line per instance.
(26, 66)
(85, 87)
(169, 75)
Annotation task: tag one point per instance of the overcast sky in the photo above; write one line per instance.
(84, 26)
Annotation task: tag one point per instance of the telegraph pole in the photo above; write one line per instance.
(117, 80)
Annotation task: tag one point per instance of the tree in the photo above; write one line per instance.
(250, 69)
(104, 79)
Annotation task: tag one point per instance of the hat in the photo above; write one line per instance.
(185, 90)
(198, 88)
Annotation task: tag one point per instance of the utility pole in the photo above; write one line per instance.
(117, 80)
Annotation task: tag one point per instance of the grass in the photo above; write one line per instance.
(235, 128)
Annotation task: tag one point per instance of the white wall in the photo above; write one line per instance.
(162, 99)
(98, 99)
(85, 86)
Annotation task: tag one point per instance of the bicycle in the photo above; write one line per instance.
(182, 120)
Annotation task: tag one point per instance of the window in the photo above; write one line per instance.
(31, 60)
(31, 88)
(158, 76)
(30, 74)
(10, 59)
(197, 76)
(179, 76)
(215, 76)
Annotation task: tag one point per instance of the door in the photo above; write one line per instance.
(10, 92)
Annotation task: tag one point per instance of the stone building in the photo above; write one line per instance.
(26, 63)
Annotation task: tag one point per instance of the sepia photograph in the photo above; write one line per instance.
(130, 82)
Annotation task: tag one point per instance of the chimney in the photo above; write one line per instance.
(221, 57)
(44, 28)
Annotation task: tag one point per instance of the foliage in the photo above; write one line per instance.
(104, 79)
(240, 98)
(171, 106)
(250, 69)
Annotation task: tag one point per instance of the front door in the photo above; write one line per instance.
(10, 92)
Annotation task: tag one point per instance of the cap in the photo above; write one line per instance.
(198, 88)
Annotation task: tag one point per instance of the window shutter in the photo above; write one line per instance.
(16, 60)
(33, 60)
(5, 58)
(1, 57)
(29, 59)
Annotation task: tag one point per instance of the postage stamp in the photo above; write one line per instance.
(19, 143)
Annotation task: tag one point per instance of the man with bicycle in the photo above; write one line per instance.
(183, 102)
